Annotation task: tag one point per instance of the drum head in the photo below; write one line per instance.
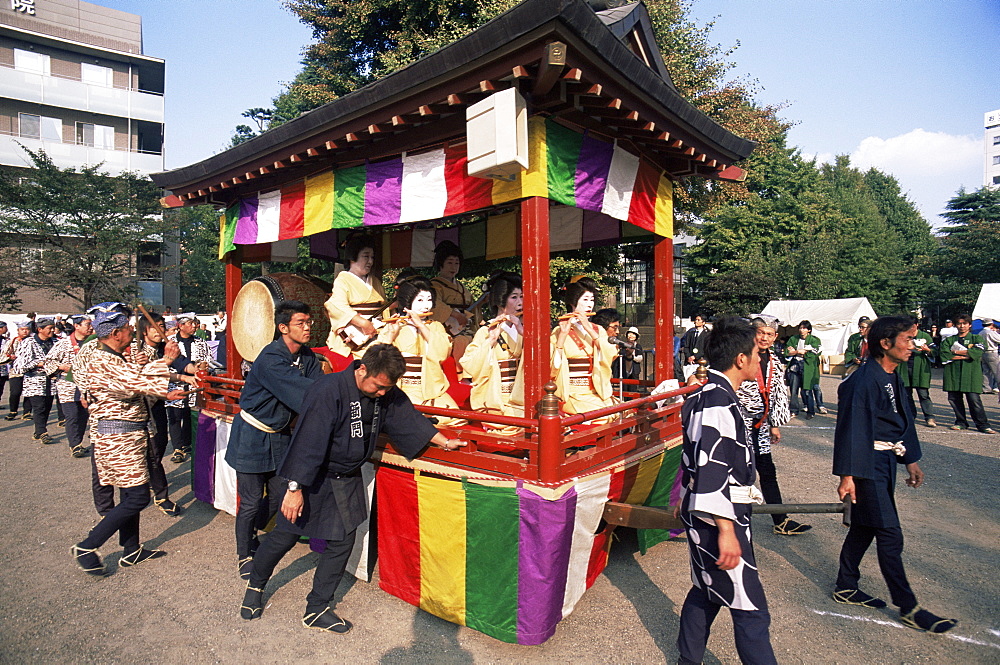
(252, 321)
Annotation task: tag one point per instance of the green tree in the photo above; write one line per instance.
(76, 233)
(202, 275)
(969, 254)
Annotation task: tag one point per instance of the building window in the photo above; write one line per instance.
(29, 61)
(32, 126)
(96, 75)
(996, 140)
(996, 180)
(95, 136)
(996, 159)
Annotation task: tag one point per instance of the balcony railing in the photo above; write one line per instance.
(71, 154)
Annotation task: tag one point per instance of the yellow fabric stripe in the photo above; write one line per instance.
(441, 506)
(664, 211)
(534, 181)
(649, 469)
(319, 203)
(501, 236)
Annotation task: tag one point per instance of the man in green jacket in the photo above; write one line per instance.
(963, 374)
(915, 374)
(856, 347)
(804, 350)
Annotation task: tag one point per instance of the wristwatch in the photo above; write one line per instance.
(293, 486)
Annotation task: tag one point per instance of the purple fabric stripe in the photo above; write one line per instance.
(592, 172)
(442, 234)
(383, 193)
(599, 229)
(203, 480)
(246, 225)
(545, 537)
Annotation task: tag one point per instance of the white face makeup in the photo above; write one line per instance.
(585, 305)
(422, 303)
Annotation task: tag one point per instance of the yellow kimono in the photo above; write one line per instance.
(351, 296)
(424, 381)
(497, 384)
(582, 372)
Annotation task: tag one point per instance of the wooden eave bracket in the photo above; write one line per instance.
(732, 174)
(551, 67)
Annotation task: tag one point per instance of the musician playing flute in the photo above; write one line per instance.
(424, 345)
(453, 305)
(492, 360)
(582, 355)
(357, 296)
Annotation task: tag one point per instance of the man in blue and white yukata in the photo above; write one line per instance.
(717, 489)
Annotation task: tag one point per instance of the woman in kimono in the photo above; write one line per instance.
(424, 345)
(492, 360)
(804, 350)
(356, 298)
(453, 305)
(582, 355)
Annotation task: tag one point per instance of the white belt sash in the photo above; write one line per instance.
(896, 447)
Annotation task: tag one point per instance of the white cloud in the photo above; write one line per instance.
(930, 166)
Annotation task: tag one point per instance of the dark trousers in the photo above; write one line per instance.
(155, 451)
(123, 518)
(889, 546)
(975, 409)
(255, 510)
(77, 418)
(329, 570)
(3, 382)
(768, 481)
(179, 420)
(59, 409)
(750, 627)
(924, 395)
(104, 495)
(16, 387)
(41, 406)
(794, 388)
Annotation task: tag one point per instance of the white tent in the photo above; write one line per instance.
(833, 321)
(988, 305)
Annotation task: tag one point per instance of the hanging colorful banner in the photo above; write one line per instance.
(565, 166)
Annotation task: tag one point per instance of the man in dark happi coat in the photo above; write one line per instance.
(717, 489)
(339, 424)
(875, 432)
(271, 398)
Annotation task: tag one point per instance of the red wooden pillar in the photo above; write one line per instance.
(234, 281)
(663, 266)
(537, 296)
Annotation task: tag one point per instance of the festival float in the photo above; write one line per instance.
(551, 127)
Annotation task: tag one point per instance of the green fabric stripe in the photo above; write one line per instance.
(349, 197)
(660, 496)
(232, 215)
(563, 149)
(492, 528)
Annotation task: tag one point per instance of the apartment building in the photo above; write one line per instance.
(74, 82)
(991, 149)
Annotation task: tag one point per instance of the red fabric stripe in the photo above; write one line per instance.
(291, 223)
(642, 211)
(399, 250)
(398, 524)
(464, 193)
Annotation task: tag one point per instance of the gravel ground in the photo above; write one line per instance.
(184, 608)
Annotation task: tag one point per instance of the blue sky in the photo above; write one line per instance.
(901, 86)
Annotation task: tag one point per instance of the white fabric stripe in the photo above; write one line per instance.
(591, 495)
(565, 228)
(621, 181)
(268, 216)
(224, 497)
(425, 193)
(357, 563)
(422, 249)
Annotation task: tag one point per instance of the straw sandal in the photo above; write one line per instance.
(857, 597)
(326, 620)
(920, 619)
(139, 556)
(253, 603)
(88, 560)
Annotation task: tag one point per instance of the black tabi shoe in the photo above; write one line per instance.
(245, 567)
(42, 438)
(857, 597)
(61, 423)
(11, 416)
(88, 560)
(27, 416)
(253, 603)
(139, 556)
(326, 620)
(791, 528)
(168, 507)
(179, 457)
(920, 619)
(80, 450)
